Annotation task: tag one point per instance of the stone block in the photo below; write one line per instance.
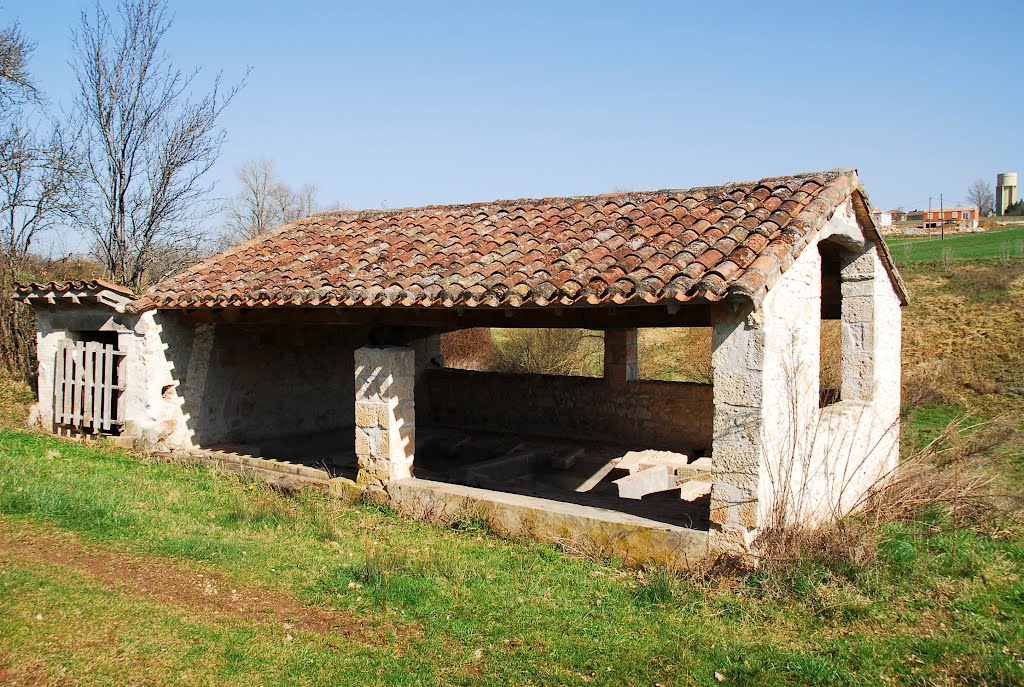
(738, 389)
(345, 489)
(691, 490)
(363, 445)
(368, 414)
(644, 482)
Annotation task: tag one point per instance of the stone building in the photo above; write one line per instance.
(317, 343)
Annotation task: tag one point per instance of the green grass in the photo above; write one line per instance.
(987, 244)
(461, 607)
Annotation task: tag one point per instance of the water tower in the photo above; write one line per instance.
(1006, 191)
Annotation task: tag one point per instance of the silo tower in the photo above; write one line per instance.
(1006, 191)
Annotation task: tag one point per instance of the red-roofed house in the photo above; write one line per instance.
(319, 343)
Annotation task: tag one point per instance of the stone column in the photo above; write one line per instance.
(620, 356)
(858, 327)
(385, 414)
(738, 360)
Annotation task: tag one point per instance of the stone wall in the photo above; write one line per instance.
(199, 385)
(778, 457)
(647, 414)
(248, 384)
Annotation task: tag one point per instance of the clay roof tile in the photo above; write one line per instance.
(677, 244)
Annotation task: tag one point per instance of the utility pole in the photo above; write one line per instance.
(942, 219)
(928, 217)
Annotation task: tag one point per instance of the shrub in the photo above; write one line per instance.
(551, 351)
(676, 354)
(469, 349)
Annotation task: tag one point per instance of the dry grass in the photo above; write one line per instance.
(831, 361)
(951, 477)
(959, 350)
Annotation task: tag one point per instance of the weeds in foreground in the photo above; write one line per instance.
(944, 487)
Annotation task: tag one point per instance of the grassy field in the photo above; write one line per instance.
(988, 244)
(118, 570)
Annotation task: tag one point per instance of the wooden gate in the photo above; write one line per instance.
(87, 385)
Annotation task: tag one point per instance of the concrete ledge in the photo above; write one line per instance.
(583, 529)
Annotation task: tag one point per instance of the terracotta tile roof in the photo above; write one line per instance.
(677, 245)
(75, 291)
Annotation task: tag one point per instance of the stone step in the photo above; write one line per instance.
(283, 466)
(285, 482)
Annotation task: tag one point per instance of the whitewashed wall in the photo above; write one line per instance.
(778, 457)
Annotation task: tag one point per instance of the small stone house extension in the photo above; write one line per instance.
(318, 342)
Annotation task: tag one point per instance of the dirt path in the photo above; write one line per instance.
(191, 587)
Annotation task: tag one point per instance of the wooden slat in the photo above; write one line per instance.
(69, 376)
(79, 381)
(88, 355)
(97, 394)
(58, 385)
(108, 386)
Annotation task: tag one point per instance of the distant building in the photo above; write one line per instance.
(960, 217)
(898, 215)
(883, 218)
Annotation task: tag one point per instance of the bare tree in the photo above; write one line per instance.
(149, 143)
(38, 171)
(980, 193)
(37, 182)
(16, 86)
(264, 202)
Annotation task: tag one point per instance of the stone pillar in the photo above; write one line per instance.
(858, 327)
(620, 356)
(738, 343)
(385, 414)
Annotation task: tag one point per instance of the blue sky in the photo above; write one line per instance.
(419, 103)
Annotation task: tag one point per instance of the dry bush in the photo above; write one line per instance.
(15, 398)
(831, 361)
(551, 351)
(678, 354)
(951, 476)
(469, 349)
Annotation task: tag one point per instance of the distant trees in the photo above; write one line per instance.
(39, 175)
(148, 141)
(981, 194)
(1015, 210)
(264, 202)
